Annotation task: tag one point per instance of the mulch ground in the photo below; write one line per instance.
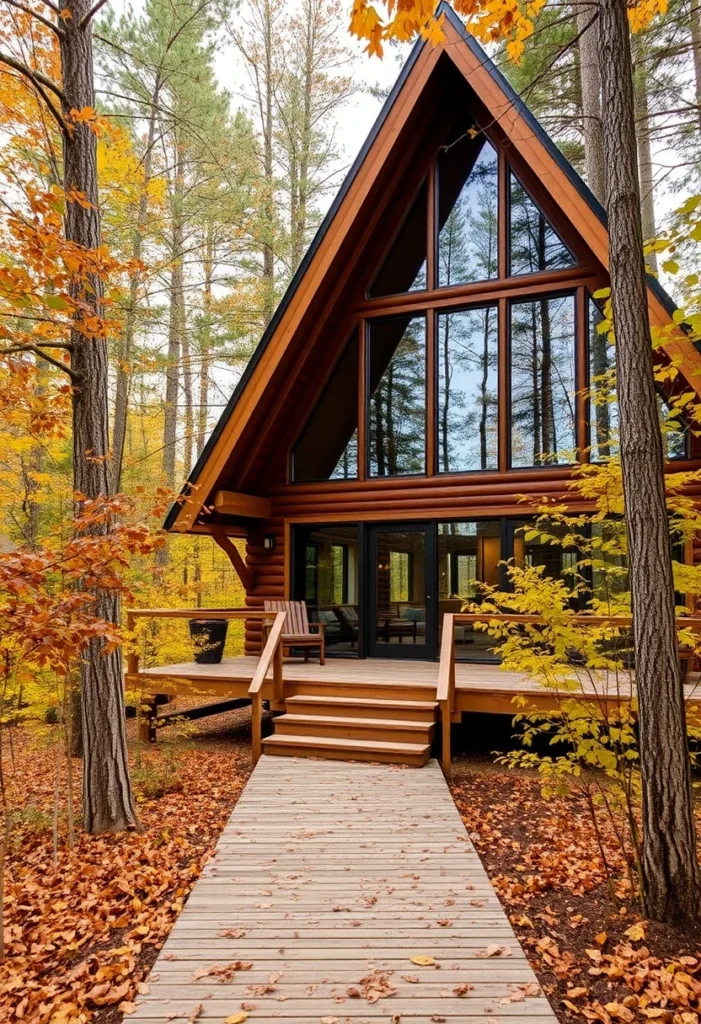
(568, 895)
(82, 933)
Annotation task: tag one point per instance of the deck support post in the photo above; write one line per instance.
(147, 714)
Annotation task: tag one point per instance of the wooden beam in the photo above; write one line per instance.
(240, 568)
(234, 503)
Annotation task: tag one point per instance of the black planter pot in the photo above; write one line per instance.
(209, 636)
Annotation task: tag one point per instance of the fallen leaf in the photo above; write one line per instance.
(237, 1018)
(423, 961)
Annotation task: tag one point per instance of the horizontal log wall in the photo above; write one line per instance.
(268, 569)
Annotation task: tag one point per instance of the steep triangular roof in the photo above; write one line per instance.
(565, 187)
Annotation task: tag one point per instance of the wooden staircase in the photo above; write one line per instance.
(350, 722)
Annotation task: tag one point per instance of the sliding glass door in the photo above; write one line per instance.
(400, 614)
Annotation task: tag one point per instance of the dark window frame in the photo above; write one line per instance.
(523, 300)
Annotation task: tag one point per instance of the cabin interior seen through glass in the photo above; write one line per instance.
(382, 589)
(395, 369)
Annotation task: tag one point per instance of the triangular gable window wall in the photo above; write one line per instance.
(455, 367)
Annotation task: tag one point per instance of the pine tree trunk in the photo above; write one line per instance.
(590, 84)
(175, 325)
(670, 869)
(642, 128)
(695, 26)
(107, 797)
(121, 402)
(269, 201)
(206, 343)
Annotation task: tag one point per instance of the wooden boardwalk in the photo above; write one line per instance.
(327, 880)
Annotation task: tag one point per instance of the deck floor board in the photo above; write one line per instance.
(326, 873)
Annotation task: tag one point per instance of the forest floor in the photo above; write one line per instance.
(83, 931)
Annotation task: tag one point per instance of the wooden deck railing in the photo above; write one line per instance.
(272, 653)
(445, 691)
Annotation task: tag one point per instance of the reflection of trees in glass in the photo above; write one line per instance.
(533, 244)
(398, 400)
(542, 381)
(347, 466)
(467, 390)
(603, 408)
(467, 243)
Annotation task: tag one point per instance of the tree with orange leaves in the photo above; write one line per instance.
(55, 314)
(671, 874)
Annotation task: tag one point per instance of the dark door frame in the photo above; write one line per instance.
(373, 648)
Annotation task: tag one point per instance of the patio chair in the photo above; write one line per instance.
(298, 629)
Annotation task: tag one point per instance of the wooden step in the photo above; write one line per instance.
(355, 728)
(389, 690)
(362, 707)
(412, 754)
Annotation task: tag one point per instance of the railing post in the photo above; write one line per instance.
(278, 695)
(256, 727)
(445, 692)
(133, 655)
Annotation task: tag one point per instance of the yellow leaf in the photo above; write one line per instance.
(636, 932)
(423, 961)
(237, 1018)
(601, 938)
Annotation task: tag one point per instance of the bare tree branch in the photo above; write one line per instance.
(35, 14)
(91, 13)
(42, 355)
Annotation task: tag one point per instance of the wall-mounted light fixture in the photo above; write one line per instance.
(269, 542)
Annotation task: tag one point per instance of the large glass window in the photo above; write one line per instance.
(397, 407)
(467, 390)
(404, 270)
(467, 211)
(326, 577)
(469, 556)
(533, 243)
(542, 381)
(328, 447)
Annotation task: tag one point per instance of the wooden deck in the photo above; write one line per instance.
(479, 687)
(327, 880)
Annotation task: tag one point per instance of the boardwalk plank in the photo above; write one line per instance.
(330, 872)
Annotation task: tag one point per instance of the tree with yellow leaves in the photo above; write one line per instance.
(670, 869)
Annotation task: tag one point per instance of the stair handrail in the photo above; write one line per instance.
(271, 654)
(445, 690)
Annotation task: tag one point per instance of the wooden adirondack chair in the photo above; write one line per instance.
(297, 631)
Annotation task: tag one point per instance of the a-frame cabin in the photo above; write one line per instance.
(426, 367)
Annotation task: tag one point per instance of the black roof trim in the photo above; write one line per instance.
(564, 164)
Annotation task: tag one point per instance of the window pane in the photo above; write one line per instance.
(674, 432)
(404, 269)
(397, 412)
(603, 408)
(467, 390)
(469, 554)
(533, 243)
(329, 582)
(467, 212)
(328, 448)
(542, 381)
